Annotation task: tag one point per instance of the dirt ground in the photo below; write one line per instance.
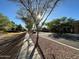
(10, 44)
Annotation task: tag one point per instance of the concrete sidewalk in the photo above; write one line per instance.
(26, 50)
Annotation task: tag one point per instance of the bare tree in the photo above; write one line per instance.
(36, 11)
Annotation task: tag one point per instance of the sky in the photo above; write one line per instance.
(68, 8)
(9, 9)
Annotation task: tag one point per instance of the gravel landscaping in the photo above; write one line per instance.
(69, 39)
(51, 49)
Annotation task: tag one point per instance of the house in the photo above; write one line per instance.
(75, 25)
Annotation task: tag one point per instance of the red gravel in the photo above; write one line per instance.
(51, 48)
